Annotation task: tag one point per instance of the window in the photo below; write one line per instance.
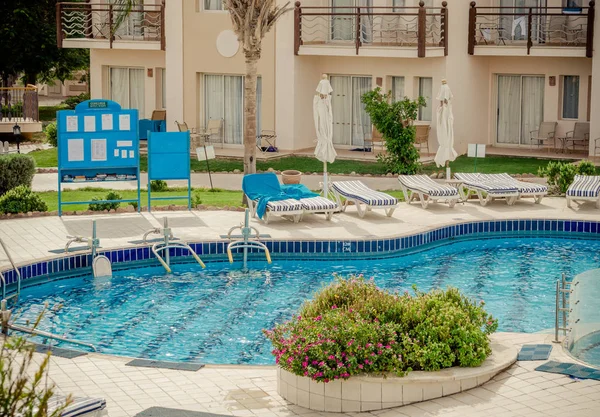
(212, 4)
(425, 91)
(397, 89)
(224, 99)
(570, 97)
(398, 3)
(127, 88)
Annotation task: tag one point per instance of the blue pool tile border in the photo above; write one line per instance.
(73, 265)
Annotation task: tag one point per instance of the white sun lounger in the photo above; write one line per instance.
(283, 208)
(427, 190)
(525, 189)
(80, 407)
(584, 188)
(364, 198)
(474, 183)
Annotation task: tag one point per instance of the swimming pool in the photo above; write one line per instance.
(217, 315)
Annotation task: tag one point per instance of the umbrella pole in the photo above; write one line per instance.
(325, 184)
(448, 172)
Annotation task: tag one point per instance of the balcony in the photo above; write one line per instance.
(19, 105)
(533, 31)
(108, 26)
(398, 32)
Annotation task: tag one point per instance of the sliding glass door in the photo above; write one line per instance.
(343, 28)
(520, 108)
(351, 123)
(127, 88)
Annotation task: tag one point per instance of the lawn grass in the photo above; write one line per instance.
(220, 198)
(490, 165)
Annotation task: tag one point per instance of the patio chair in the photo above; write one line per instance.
(584, 188)
(493, 189)
(213, 131)
(545, 134)
(525, 189)
(157, 123)
(422, 136)
(80, 407)
(360, 195)
(427, 190)
(266, 141)
(267, 197)
(579, 136)
(194, 136)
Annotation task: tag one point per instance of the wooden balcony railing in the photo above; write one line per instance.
(532, 27)
(418, 27)
(19, 104)
(144, 22)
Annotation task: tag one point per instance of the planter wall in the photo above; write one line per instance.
(366, 393)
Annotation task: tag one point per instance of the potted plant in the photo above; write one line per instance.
(291, 176)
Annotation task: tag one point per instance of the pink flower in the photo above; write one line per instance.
(318, 318)
(299, 317)
(305, 364)
(305, 373)
(360, 366)
(350, 343)
(331, 357)
(379, 345)
(333, 307)
(315, 362)
(372, 353)
(388, 347)
(369, 345)
(321, 363)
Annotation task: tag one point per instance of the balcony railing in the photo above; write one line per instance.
(532, 27)
(19, 104)
(101, 21)
(418, 27)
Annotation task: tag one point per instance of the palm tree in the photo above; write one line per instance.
(252, 20)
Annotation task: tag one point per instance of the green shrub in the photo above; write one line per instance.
(196, 200)
(352, 327)
(560, 175)
(15, 170)
(21, 200)
(158, 186)
(71, 102)
(394, 122)
(100, 206)
(51, 133)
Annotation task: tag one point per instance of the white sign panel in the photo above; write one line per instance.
(210, 153)
(75, 150)
(116, 153)
(124, 143)
(71, 123)
(98, 149)
(476, 150)
(131, 154)
(124, 154)
(124, 122)
(107, 122)
(89, 123)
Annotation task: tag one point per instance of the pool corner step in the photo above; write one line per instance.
(178, 366)
(59, 352)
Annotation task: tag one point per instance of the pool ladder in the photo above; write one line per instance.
(4, 297)
(562, 307)
(166, 244)
(243, 241)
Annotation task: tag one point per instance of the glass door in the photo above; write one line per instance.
(351, 123)
(515, 27)
(342, 27)
(520, 108)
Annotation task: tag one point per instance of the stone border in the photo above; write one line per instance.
(366, 393)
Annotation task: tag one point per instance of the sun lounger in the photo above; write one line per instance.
(79, 407)
(584, 188)
(427, 190)
(364, 198)
(493, 189)
(285, 201)
(526, 189)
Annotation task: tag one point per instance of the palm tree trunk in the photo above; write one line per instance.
(250, 113)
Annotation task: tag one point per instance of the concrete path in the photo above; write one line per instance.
(49, 182)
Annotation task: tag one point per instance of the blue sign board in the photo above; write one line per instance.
(97, 142)
(169, 159)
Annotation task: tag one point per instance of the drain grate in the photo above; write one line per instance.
(178, 366)
(174, 412)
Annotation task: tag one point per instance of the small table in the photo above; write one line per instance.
(458, 184)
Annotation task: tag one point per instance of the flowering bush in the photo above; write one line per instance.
(353, 327)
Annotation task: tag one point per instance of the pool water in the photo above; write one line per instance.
(216, 315)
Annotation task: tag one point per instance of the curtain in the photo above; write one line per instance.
(119, 86)
(234, 108)
(136, 90)
(342, 27)
(213, 97)
(397, 89)
(570, 97)
(361, 122)
(341, 105)
(532, 110)
(213, 5)
(426, 91)
(509, 109)
(258, 105)
(366, 22)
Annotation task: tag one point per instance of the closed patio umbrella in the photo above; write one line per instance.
(323, 115)
(445, 129)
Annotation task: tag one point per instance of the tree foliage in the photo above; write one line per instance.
(394, 120)
(28, 46)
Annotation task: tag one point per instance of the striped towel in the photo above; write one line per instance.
(359, 191)
(318, 204)
(78, 407)
(490, 186)
(427, 186)
(584, 186)
(522, 187)
(284, 205)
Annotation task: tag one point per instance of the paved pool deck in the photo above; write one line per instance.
(252, 391)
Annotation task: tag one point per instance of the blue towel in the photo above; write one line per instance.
(265, 188)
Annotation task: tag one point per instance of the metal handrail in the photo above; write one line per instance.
(156, 249)
(50, 336)
(14, 267)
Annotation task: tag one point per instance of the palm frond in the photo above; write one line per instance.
(122, 9)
